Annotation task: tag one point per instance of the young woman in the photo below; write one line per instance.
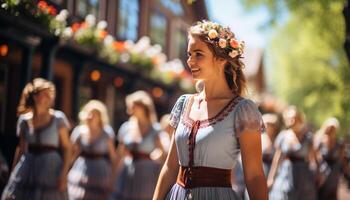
(331, 157)
(138, 138)
(93, 172)
(40, 171)
(291, 176)
(211, 127)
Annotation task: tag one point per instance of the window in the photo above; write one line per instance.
(85, 7)
(158, 23)
(128, 20)
(180, 45)
(174, 6)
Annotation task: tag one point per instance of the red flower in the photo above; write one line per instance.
(119, 46)
(84, 25)
(234, 43)
(102, 34)
(42, 5)
(75, 27)
(52, 10)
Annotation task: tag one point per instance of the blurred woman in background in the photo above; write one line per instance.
(138, 138)
(93, 172)
(330, 155)
(40, 172)
(290, 176)
(267, 140)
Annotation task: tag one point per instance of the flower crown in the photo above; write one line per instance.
(222, 37)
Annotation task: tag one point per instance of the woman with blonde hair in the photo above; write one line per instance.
(40, 172)
(211, 127)
(93, 172)
(291, 176)
(138, 138)
(330, 155)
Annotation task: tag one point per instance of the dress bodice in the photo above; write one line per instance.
(299, 150)
(216, 143)
(145, 144)
(98, 145)
(47, 135)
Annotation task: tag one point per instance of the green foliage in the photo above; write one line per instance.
(309, 64)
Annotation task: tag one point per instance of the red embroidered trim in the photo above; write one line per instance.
(188, 122)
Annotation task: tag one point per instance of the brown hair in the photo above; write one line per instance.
(234, 75)
(143, 99)
(27, 103)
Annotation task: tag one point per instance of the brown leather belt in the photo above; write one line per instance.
(140, 156)
(92, 155)
(203, 177)
(294, 158)
(39, 149)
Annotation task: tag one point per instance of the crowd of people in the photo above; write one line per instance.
(215, 144)
(298, 162)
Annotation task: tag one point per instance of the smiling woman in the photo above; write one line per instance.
(212, 126)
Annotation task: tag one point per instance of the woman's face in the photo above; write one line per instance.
(331, 131)
(45, 98)
(201, 60)
(138, 110)
(94, 118)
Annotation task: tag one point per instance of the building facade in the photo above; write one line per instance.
(27, 51)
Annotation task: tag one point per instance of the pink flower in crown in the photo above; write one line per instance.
(222, 43)
(213, 34)
(234, 43)
(233, 53)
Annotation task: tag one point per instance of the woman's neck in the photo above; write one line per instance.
(216, 89)
(41, 112)
(94, 128)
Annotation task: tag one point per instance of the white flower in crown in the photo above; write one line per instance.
(222, 43)
(215, 25)
(242, 45)
(213, 34)
(197, 29)
(233, 54)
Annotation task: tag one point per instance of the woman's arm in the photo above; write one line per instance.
(274, 166)
(112, 156)
(250, 143)
(20, 150)
(75, 152)
(168, 173)
(159, 151)
(67, 150)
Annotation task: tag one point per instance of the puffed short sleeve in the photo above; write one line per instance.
(247, 118)
(176, 112)
(278, 143)
(22, 126)
(75, 135)
(109, 131)
(62, 120)
(123, 131)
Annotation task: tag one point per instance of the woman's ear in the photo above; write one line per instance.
(221, 62)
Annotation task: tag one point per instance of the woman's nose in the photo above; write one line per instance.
(190, 61)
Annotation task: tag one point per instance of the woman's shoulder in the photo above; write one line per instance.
(58, 114)
(245, 107)
(25, 117)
